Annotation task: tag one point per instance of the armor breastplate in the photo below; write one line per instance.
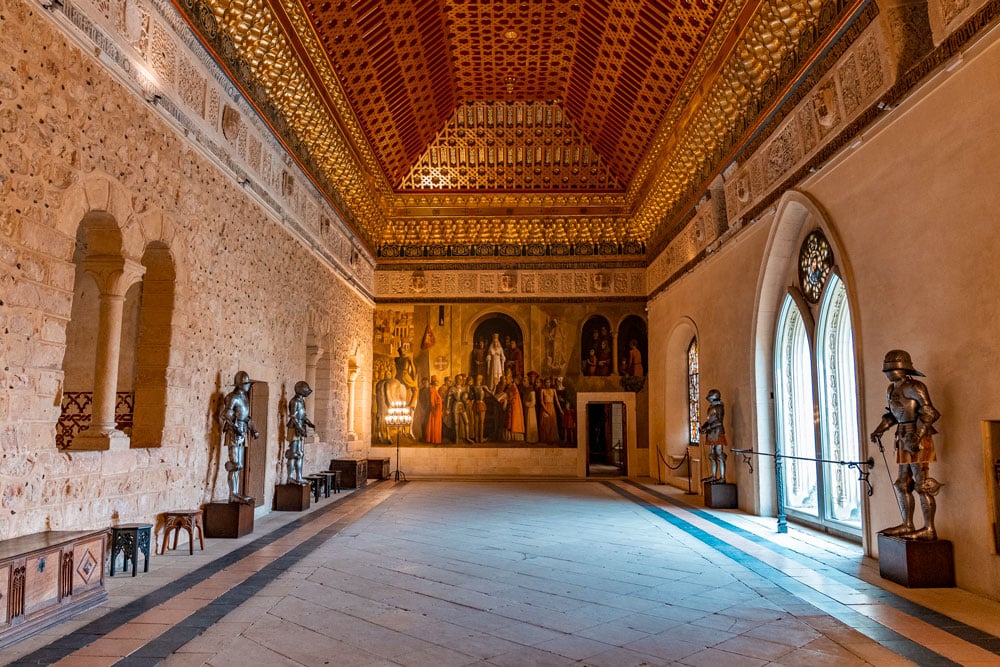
(902, 408)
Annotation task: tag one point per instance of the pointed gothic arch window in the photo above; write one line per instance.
(816, 404)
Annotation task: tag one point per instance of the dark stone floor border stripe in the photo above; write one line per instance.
(83, 636)
(963, 631)
(195, 624)
(862, 624)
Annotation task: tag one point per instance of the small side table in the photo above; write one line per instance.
(177, 520)
(319, 483)
(130, 540)
(332, 480)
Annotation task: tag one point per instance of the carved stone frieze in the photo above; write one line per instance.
(520, 284)
(850, 86)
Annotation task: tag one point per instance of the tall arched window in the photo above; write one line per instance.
(794, 408)
(693, 391)
(816, 404)
(838, 400)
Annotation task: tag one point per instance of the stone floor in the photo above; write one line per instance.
(520, 573)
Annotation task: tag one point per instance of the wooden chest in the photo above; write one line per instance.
(48, 577)
(378, 469)
(353, 472)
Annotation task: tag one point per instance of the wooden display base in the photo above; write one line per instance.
(291, 497)
(228, 519)
(916, 563)
(721, 496)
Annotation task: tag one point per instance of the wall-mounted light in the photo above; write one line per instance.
(440, 316)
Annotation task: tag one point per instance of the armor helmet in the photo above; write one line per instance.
(302, 388)
(242, 378)
(899, 360)
(714, 396)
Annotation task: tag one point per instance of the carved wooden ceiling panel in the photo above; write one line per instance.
(599, 119)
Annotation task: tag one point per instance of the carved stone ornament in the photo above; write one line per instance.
(815, 265)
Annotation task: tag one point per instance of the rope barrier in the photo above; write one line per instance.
(670, 467)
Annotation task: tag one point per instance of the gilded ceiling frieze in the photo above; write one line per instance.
(752, 53)
(246, 37)
(773, 49)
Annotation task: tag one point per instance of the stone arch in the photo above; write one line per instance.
(95, 193)
(795, 214)
(96, 214)
(674, 391)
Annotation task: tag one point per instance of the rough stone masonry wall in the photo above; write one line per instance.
(72, 140)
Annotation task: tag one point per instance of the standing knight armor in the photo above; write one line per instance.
(298, 425)
(234, 416)
(715, 437)
(910, 410)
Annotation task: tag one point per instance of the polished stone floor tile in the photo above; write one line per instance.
(553, 573)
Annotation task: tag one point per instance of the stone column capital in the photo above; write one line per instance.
(113, 274)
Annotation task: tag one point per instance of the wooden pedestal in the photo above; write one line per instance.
(379, 469)
(353, 472)
(916, 563)
(228, 519)
(720, 496)
(291, 497)
(48, 577)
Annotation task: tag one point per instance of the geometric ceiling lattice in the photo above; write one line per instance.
(621, 111)
(509, 145)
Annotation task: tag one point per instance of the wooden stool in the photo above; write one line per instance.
(130, 539)
(182, 519)
(332, 481)
(318, 483)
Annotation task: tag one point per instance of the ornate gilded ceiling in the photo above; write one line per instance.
(534, 128)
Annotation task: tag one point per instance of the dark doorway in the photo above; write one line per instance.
(606, 444)
(255, 458)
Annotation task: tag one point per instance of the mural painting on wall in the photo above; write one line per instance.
(491, 396)
(632, 346)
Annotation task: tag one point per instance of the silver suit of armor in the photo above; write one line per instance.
(298, 425)
(715, 435)
(910, 410)
(234, 416)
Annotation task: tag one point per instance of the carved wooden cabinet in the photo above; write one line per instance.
(48, 577)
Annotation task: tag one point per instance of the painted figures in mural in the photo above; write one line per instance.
(632, 364)
(495, 360)
(910, 410)
(714, 431)
(504, 403)
(597, 350)
(234, 416)
(406, 373)
(555, 345)
(298, 428)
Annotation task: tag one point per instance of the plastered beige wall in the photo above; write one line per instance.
(912, 210)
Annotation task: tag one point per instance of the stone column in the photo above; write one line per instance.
(113, 276)
(614, 353)
(352, 376)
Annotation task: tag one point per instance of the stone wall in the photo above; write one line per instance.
(75, 142)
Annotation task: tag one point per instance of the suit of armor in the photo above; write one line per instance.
(298, 425)
(910, 410)
(234, 416)
(715, 437)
